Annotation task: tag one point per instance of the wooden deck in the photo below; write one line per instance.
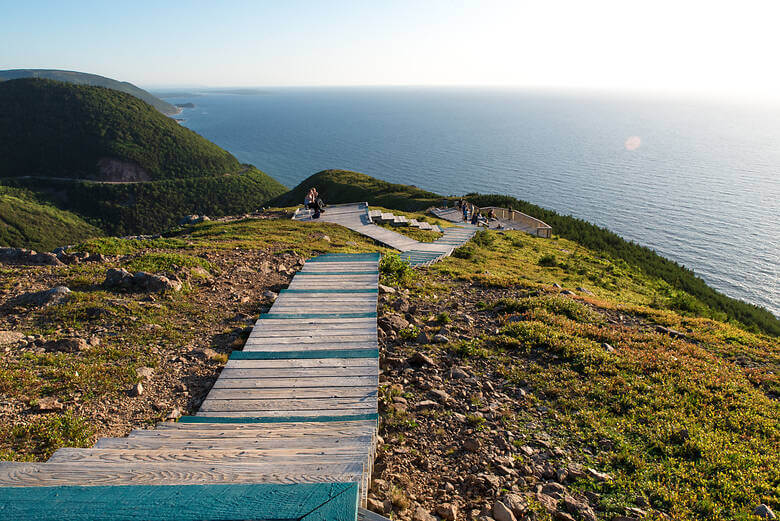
(288, 431)
(358, 217)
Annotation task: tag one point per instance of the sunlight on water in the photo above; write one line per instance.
(700, 186)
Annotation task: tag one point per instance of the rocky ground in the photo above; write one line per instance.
(459, 439)
(162, 338)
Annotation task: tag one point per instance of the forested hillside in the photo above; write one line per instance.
(94, 80)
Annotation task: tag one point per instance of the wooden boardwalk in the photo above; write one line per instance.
(288, 431)
(358, 217)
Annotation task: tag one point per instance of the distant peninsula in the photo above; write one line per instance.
(93, 80)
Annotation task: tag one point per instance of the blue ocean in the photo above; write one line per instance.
(696, 180)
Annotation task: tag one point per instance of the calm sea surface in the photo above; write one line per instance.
(702, 187)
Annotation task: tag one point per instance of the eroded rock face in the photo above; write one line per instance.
(115, 170)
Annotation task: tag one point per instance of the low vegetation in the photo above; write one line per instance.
(678, 407)
(26, 221)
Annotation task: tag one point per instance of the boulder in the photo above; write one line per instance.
(49, 404)
(763, 511)
(386, 290)
(419, 359)
(44, 298)
(67, 345)
(440, 339)
(118, 278)
(501, 512)
(448, 511)
(28, 257)
(420, 514)
(10, 337)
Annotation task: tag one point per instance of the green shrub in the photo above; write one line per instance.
(395, 269)
(548, 260)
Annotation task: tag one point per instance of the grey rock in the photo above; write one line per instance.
(448, 511)
(44, 298)
(137, 389)
(440, 339)
(501, 512)
(393, 322)
(386, 290)
(764, 511)
(608, 348)
(10, 337)
(420, 514)
(567, 292)
(579, 508)
(144, 372)
(598, 476)
(193, 219)
(28, 257)
(422, 338)
(458, 373)
(270, 295)
(419, 359)
(118, 277)
(375, 505)
(67, 345)
(49, 404)
(472, 444)
(583, 290)
(441, 395)
(516, 503)
(426, 404)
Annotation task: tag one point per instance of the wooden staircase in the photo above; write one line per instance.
(360, 218)
(288, 431)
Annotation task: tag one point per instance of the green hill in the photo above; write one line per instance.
(687, 293)
(82, 78)
(55, 129)
(24, 221)
(115, 161)
(343, 186)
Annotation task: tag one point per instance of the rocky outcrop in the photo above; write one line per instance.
(139, 281)
(28, 257)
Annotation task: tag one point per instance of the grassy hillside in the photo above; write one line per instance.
(154, 207)
(25, 221)
(55, 129)
(343, 186)
(82, 78)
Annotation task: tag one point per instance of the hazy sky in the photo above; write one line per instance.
(658, 45)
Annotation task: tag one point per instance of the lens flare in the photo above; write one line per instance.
(633, 142)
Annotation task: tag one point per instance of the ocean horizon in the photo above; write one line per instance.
(696, 180)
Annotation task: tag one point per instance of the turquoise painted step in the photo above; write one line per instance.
(304, 501)
(324, 353)
(369, 290)
(277, 419)
(318, 315)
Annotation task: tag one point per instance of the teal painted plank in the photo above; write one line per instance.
(324, 353)
(318, 315)
(262, 501)
(341, 507)
(327, 273)
(277, 419)
(346, 258)
(368, 290)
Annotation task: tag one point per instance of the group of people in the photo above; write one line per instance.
(313, 201)
(477, 218)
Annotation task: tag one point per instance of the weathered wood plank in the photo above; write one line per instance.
(222, 456)
(313, 339)
(244, 381)
(206, 442)
(268, 430)
(303, 362)
(331, 353)
(68, 474)
(305, 407)
(336, 415)
(283, 316)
